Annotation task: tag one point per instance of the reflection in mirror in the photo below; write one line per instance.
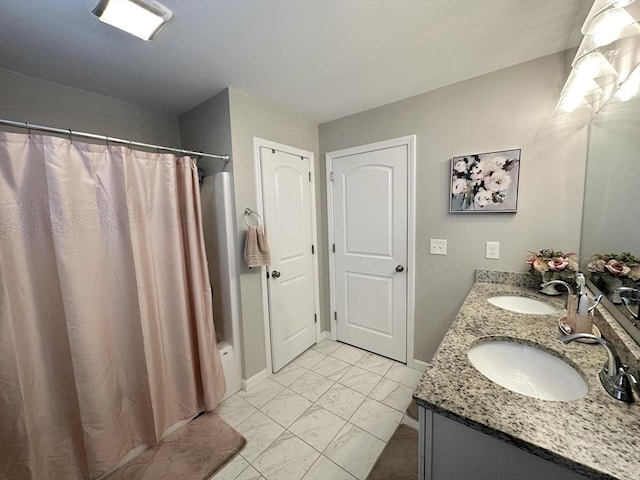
(611, 215)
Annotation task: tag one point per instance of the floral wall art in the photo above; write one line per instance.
(485, 182)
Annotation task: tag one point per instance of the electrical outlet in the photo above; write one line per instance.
(492, 250)
(438, 246)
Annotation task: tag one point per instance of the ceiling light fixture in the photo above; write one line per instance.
(142, 18)
(607, 65)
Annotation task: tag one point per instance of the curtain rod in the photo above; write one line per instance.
(29, 126)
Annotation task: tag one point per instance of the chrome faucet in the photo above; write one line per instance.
(564, 284)
(615, 378)
(596, 302)
(622, 292)
(624, 371)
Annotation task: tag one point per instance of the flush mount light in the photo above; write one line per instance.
(142, 18)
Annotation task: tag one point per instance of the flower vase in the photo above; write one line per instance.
(607, 285)
(550, 290)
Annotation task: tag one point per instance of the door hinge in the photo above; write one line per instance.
(333, 248)
(309, 176)
(335, 316)
(313, 250)
(315, 318)
(331, 176)
(267, 273)
(273, 151)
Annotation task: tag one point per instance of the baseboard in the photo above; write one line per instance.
(324, 335)
(420, 365)
(253, 381)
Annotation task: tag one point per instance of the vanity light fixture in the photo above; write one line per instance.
(606, 68)
(142, 18)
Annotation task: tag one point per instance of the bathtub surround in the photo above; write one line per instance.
(595, 436)
(218, 222)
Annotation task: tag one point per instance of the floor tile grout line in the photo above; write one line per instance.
(347, 421)
(341, 468)
(314, 403)
(321, 454)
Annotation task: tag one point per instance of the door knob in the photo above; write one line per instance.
(399, 268)
(275, 274)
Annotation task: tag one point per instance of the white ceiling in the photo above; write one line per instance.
(322, 59)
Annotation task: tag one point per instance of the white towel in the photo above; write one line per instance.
(256, 248)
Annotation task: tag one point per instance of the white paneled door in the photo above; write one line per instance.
(286, 192)
(370, 220)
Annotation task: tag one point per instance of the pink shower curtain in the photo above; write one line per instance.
(106, 331)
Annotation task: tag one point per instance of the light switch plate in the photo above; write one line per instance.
(492, 250)
(438, 246)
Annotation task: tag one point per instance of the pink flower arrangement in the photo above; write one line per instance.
(611, 271)
(552, 260)
(619, 265)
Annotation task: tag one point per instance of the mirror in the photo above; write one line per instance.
(611, 215)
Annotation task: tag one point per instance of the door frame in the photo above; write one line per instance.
(410, 142)
(257, 167)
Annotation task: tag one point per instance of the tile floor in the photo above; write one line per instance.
(325, 416)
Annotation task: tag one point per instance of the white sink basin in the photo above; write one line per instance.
(522, 305)
(527, 370)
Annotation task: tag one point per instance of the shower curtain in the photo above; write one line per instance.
(106, 331)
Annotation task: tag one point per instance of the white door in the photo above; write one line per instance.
(370, 208)
(286, 191)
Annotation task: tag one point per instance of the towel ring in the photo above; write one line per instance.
(247, 213)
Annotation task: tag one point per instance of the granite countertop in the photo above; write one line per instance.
(596, 436)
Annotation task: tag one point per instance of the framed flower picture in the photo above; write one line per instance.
(485, 182)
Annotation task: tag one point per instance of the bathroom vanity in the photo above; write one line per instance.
(472, 428)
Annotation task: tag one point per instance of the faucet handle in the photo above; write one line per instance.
(629, 297)
(615, 377)
(626, 383)
(596, 302)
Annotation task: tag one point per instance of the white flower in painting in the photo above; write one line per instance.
(499, 161)
(459, 186)
(487, 165)
(460, 166)
(482, 198)
(476, 172)
(497, 181)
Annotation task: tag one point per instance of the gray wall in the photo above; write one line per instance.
(250, 118)
(207, 128)
(611, 221)
(507, 109)
(30, 99)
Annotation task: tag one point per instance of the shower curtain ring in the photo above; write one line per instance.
(28, 130)
(130, 144)
(70, 141)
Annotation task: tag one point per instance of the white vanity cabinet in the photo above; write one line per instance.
(449, 450)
